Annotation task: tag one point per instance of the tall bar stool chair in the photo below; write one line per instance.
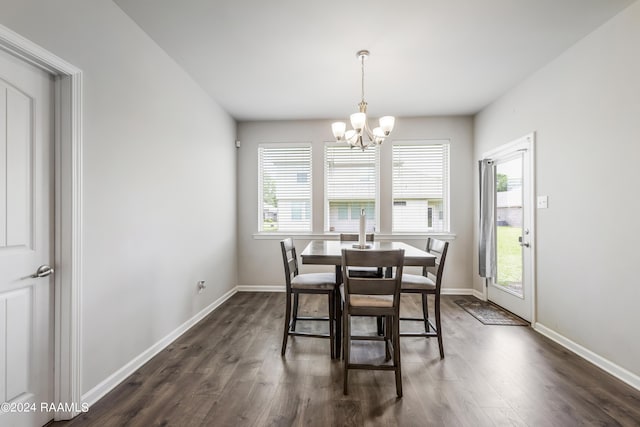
(362, 272)
(308, 283)
(376, 297)
(429, 283)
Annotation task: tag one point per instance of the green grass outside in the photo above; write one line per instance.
(509, 255)
(269, 226)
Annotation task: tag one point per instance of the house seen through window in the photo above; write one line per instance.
(420, 186)
(351, 184)
(284, 198)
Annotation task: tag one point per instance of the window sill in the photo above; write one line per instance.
(336, 236)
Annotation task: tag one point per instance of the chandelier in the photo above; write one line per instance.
(356, 136)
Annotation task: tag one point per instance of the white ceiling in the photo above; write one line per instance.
(295, 59)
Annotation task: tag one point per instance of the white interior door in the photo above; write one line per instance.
(513, 286)
(26, 242)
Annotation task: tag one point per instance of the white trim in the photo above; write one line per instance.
(282, 288)
(508, 147)
(97, 392)
(533, 225)
(68, 220)
(419, 236)
(336, 236)
(478, 294)
(456, 291)
(261, 288)
(606, 365)
(527, 140)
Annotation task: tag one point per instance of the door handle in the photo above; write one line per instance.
(525, 244)
(42, 271)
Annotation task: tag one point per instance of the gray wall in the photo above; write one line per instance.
(585, 109)
(260, 260)
(159, 180)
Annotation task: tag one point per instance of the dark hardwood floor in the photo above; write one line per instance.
(227, 371)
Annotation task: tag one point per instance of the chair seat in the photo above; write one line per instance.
(417, 282)
(356, 300)
(319, 281)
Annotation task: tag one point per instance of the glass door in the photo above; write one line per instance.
(509, 225)
(511, 288)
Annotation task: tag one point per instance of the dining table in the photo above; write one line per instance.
(329, 252)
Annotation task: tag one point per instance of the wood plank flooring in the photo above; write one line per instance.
(227, 371)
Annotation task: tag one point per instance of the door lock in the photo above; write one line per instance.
(42, 271)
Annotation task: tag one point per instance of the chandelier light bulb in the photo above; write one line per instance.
(357, 121)
(386, 124)
(351, 136)
(338, 129)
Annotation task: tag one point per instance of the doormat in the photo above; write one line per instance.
(490, 314)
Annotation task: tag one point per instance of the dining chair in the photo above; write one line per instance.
(308, 283)
(429, 283)
(361, 272)
(375, 297)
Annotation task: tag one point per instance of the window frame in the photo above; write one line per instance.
(260, 198)
(377, 167)
(446, 199)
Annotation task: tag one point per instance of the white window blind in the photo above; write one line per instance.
(284, 188)
(420, 187)
(351, 184)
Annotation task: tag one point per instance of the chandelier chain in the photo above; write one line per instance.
(362, 80)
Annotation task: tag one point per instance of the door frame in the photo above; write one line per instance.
(67, 217)
(497, 152)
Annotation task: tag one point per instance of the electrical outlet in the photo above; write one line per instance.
(201, 286)
(543, 202)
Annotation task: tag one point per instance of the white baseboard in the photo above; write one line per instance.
(261, 288)
(97, 392)
(456, 291)
(608, 366)
(478, 294)
(281, 288)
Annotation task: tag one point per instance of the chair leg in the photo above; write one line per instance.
(387, 338)
(380, 326)
(338, 313)
(439, 326)
(425, 312)
(396, 354)
(331, 330)
(295, 312)
(346, 350)
(287, 319)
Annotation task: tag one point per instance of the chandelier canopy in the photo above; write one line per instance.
(356, 136)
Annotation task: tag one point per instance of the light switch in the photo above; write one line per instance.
(543, 202)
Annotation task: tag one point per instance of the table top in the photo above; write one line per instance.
(329, 252)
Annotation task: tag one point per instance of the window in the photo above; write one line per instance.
(284, 188)
(420, 186)
(351, 184)
(300, 210)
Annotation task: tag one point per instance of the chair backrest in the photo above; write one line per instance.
(439, 249)
(290, 260)
(393, 259)
(353, 237)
